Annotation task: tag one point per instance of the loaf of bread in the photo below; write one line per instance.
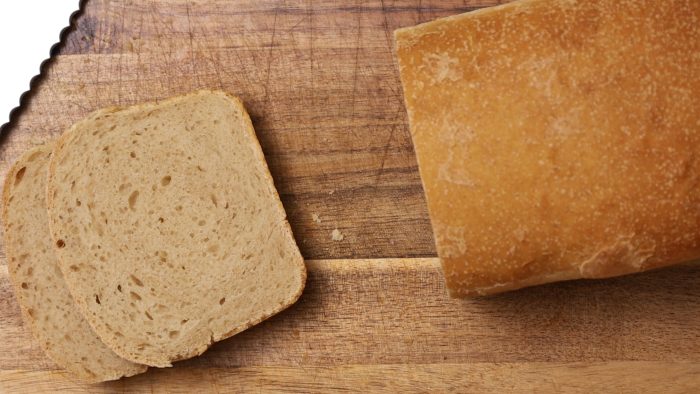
(557, 139)
(46, 304)
(168, 227)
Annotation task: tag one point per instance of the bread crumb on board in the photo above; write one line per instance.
(337, 236)
(316, 218)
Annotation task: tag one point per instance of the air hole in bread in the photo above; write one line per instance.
(174, 334)
(163, 256)
(97, 299)
(221, 301)
(161, 220)
(178, 208)
(133, 155)
(200, 168)
(148, 315)
(33, 156)
(213, 200)
(135, 296)
(202, 222)
(19, 175)
(166, 180)
(60, 243)
(74, 268)
(132, 199)
(213, 248)
(119, 288)
(78, 203)
(25, 285)
(136, 280)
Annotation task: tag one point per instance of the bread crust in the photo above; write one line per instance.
(557, 139)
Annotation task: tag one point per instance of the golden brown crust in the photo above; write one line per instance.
(557, 139)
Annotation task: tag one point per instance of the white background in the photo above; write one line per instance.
(28, 30)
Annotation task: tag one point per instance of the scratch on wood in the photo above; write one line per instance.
(189, 28)
(354, 75)
(311, 51)
(420, 11)
(138, 51)
(269, 58)
(386, 26)
(119, 61)
(154, 21)
(386, 148)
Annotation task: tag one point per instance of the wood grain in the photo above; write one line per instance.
(358, 315)
(604, 377)
(321, 84)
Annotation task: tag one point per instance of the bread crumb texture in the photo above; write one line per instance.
(557, 139)
(47, 306)
(168, 227)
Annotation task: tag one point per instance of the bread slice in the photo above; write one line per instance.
(168, 227)
(46, 304)
(557, 139)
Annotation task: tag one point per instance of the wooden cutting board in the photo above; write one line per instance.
(320, 82)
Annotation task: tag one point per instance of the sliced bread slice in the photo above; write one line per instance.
(46, 304)
(168, 227)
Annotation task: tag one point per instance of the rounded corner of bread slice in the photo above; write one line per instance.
(45, 302)
(168, 226)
